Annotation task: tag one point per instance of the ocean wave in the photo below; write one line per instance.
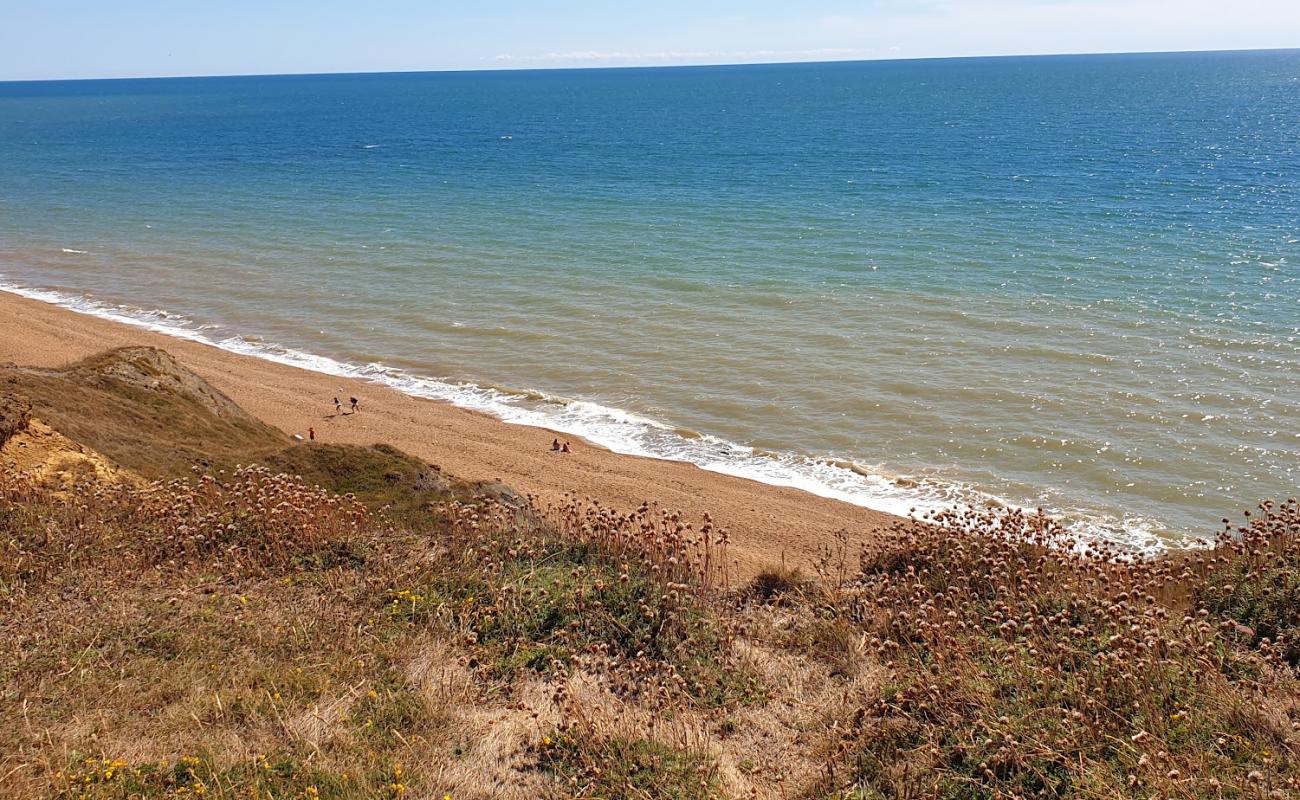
(629, 433)
(76, 252)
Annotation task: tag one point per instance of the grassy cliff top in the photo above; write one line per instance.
(227, 613)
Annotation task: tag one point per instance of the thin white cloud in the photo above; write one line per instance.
(928, 28)
(969, 27)
(678, 56)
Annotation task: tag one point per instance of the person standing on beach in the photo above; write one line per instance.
(311, 434)
(338, 407)
(354, 404)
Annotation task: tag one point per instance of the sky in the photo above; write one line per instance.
(53, 39)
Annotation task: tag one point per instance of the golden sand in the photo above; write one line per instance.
(768, 524)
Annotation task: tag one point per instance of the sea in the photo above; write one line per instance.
(1070, 283)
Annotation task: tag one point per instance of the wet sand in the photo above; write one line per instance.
(767, 523)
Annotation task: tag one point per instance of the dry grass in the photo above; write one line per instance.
(1024, 664)
(397, 633)
(265, 638)
(15, 412)
(245, 634)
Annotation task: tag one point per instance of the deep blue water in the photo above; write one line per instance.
(1067, 281)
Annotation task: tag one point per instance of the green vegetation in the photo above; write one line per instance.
(1255, 583)
(407, 490)
(628, 768)
(195, 777)
(529, 599)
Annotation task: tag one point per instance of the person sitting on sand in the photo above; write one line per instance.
(354, 404)
(565, 449)
(555, 445)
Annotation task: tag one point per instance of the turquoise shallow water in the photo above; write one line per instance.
(1066, 281)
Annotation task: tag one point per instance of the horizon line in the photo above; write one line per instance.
(606, 67)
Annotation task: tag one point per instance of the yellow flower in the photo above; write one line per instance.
(112, 768)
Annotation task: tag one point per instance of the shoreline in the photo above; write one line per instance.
(629, 433)
(612, 428)
(769, 524)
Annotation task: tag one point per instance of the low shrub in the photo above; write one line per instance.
(1026, 664)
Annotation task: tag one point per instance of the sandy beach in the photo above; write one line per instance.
(767, 523)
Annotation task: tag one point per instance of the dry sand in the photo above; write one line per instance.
(768, 524)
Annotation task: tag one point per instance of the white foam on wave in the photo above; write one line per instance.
(629, 433)
(77, 252)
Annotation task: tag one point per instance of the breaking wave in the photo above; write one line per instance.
(627, 432)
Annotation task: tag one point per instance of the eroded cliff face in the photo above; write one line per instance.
(51, 458)
(155, 371)
(31, 447)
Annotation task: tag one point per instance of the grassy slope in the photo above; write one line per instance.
(249, 635)
(147, 413)
(144, 411)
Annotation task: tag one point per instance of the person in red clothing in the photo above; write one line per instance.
(311, 434)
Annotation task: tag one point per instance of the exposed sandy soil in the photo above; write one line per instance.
(56, 459)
